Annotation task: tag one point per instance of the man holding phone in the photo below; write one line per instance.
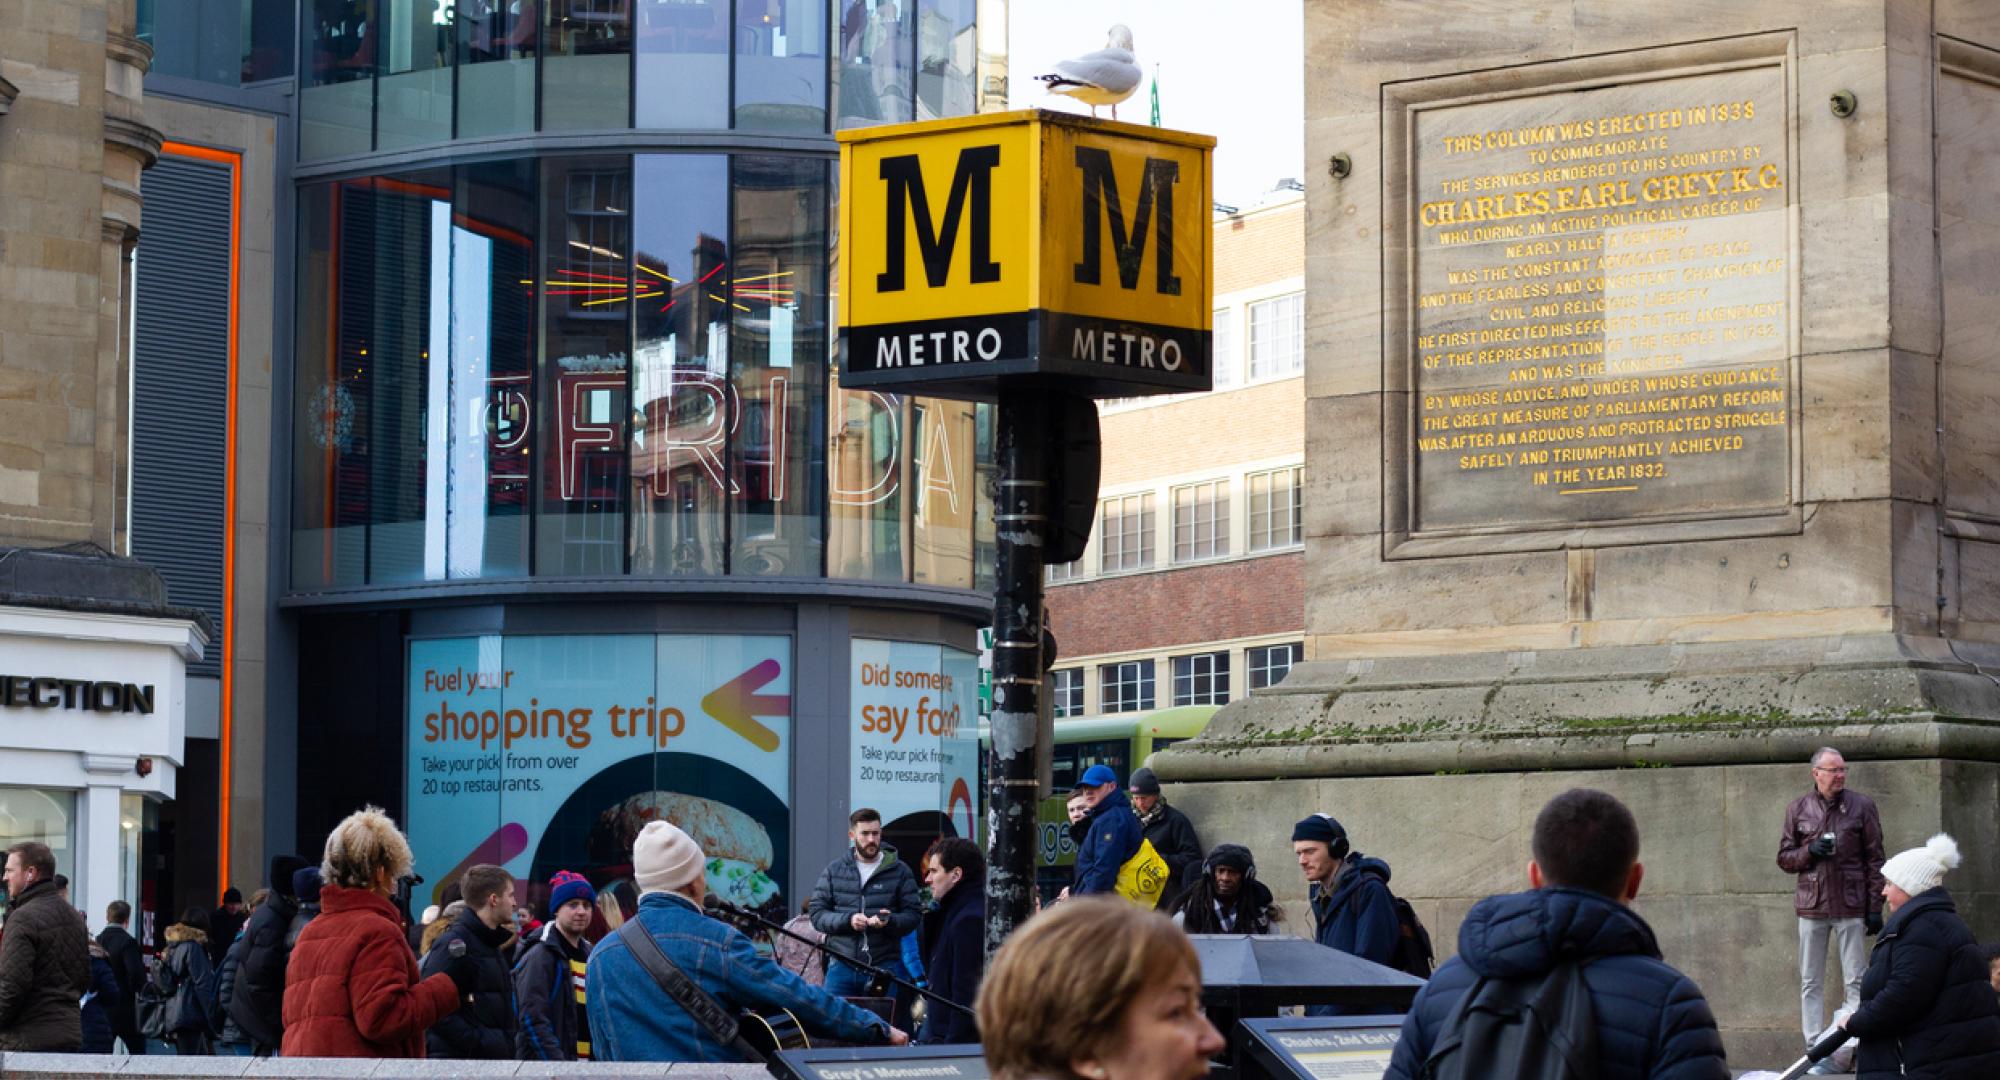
(1833, 842)
(865, 902)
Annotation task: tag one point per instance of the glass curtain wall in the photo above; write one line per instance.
(497, 43)
(605, 365)
(781, 59)
(682, 76)
(413, 94)
(586, 65)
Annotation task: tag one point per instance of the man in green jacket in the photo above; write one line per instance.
(44, 957)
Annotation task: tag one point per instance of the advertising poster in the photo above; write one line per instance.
(547, 753)
(915, 750)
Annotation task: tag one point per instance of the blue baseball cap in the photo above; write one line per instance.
(1097, 776)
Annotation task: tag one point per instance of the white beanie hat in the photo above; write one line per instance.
(1919, 870)
(665, 859)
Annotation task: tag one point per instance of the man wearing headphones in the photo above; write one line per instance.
(1352, 908)
(1227, 898)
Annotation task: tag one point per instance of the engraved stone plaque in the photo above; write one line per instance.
(1597, 304)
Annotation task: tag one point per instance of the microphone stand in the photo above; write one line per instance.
(731, 913)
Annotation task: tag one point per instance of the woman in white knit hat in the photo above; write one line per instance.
(1926, 1007)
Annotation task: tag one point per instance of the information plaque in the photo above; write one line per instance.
(1592, 295)
(1321, 1047)
(967, 1062)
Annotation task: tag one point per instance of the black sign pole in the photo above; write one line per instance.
(1020, 518)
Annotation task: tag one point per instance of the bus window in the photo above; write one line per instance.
(1116, 753)
(1164, 741)
(1063, 769)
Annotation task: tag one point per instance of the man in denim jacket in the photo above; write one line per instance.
(631, 1017)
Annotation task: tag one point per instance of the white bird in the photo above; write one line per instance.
(1105, 77)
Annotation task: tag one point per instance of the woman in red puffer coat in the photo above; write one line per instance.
(351, 988)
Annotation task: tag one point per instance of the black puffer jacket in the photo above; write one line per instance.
(839, 895)
(1926, 1006)
(484, 1027)
(552, 1021)
(258, 1005)
(44, 973)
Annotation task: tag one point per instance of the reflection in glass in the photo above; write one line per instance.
(496, 66)
(586, 64)
(683, 64)
(778, 351)
(394, 311)
(682, 400)
(587, 301)
(343, 38)
(947, 59)
(866, 481)
(985, 477)
(329, 456)
(942, 458)
(876, 53)
(492, 368)
(413, 100)
(781, 65)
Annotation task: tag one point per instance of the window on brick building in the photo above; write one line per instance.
(1064, 571)
(1277, 337)
(1201, 679)
(1201, 521)
(1223, 339)
(1126, 687)
(1125, 533)
(1276, 505)
(1269, 664)
(1066, 697)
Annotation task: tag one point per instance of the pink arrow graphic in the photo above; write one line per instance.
(736, 703)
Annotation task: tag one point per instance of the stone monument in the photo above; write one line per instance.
(1652, 443)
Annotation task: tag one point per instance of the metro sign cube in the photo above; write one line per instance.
(1027, 244)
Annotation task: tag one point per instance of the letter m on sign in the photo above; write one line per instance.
(1156, 207)
(971, 179)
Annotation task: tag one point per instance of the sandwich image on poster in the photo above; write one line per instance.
(741, 826)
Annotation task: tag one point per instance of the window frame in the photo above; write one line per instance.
(1258, 539)
(1294, 331)
(1216, 541)
(1141, 523)
(1256, 670)
(1186, 673)
(1065, 683)
(1112, 681)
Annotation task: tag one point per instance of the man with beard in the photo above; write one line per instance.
(865, 902)
(1227, 898)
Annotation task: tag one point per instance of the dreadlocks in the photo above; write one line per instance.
(1250, 911)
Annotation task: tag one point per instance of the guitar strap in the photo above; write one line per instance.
(718, 1021)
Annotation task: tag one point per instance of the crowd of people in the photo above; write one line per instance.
(1101, 985)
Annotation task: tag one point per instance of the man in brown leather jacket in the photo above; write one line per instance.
(1833, 842)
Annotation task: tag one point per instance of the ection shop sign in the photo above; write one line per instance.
(1025, 243)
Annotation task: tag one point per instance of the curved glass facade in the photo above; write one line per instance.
(603, 365)
(383, 75)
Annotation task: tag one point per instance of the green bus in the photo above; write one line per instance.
(1121, 740)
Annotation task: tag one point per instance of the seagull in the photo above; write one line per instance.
(1105, 77)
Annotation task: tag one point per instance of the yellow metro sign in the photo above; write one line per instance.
(1025, 244)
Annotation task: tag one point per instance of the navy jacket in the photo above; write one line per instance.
(1358, 919)
(1113, 839)
(955, 957)
(1652, 1022)
(1926, 1006)
(99, 1005)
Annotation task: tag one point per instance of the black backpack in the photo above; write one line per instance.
(1413, 953)
(1524, 1029)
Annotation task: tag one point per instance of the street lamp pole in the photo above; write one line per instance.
(1021, 521)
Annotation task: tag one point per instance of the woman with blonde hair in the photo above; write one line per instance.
(1096, 989)
(351, 989)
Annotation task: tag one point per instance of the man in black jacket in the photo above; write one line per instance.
(549, 977)
(484, 1025)
(257, 1003)
(128, 966)
(954, 938)
(1171, 833)
(864, 902)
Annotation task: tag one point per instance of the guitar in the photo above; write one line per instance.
(769, 1033)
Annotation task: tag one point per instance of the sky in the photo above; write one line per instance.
(1237, 78)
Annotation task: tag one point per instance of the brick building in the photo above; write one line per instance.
(1191, 591)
